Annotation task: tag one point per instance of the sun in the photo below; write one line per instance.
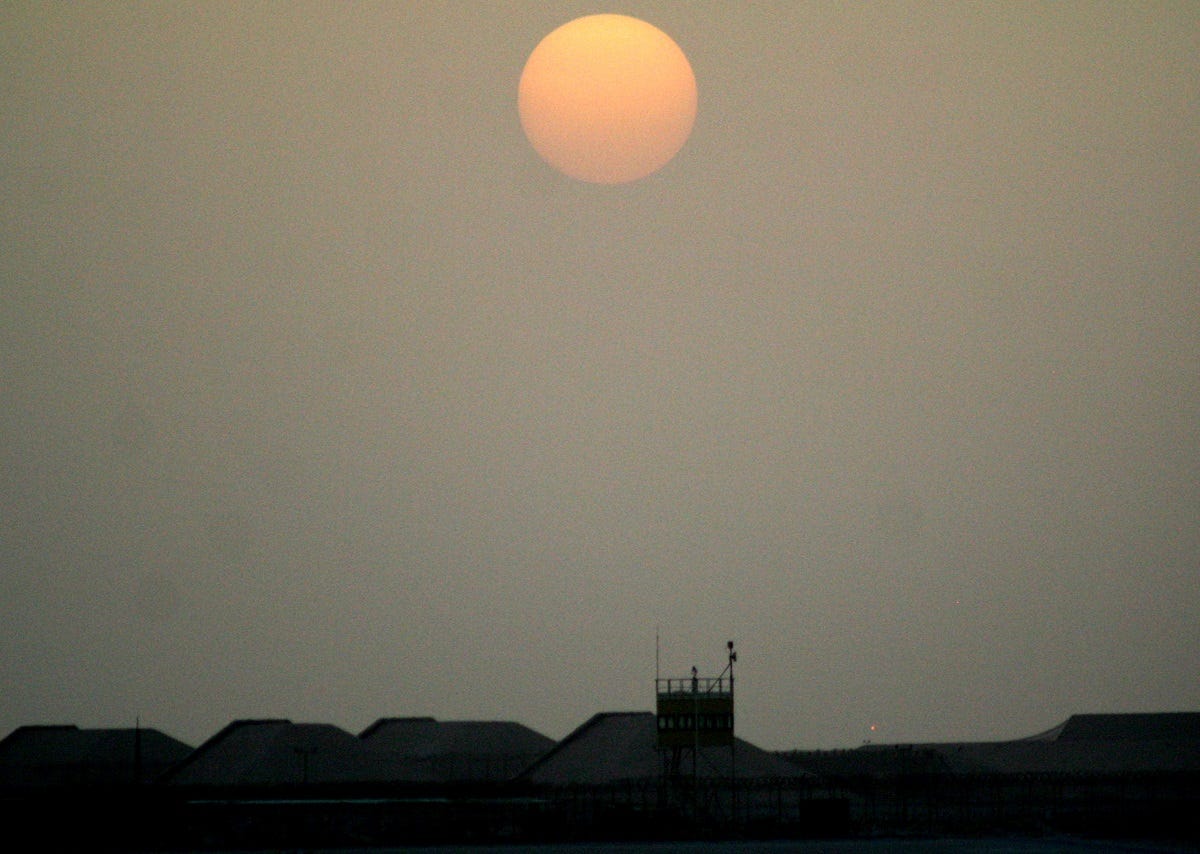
(607, 99)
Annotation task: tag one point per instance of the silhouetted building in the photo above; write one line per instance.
(273, 753)
(47, 756)
(72, 789)
(1112, 775)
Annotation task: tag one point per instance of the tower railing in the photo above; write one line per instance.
(717, 686)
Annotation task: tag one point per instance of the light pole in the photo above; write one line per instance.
(732, 738)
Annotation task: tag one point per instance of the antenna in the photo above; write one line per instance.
(656, 659)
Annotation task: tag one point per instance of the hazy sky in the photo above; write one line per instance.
(322, 397)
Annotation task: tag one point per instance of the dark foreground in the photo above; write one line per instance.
(918, 816)
(847, 846)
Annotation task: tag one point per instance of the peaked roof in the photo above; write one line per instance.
(66, 754)
(619, 746)
(457, 750)
(428, 736)
(279, 752)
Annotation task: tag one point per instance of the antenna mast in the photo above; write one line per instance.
(656, 659)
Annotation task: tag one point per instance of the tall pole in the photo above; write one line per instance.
(695, 740)
(732, 738)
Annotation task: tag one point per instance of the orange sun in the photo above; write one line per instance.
(607, 99)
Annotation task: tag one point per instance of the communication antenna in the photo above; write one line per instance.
(732, 659)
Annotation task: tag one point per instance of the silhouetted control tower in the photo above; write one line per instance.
(695, 712)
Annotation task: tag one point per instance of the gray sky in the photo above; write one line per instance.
(322, 397)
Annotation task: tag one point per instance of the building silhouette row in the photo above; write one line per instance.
(417, 780)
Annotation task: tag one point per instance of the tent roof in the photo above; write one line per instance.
(429, 737)
(279, 752)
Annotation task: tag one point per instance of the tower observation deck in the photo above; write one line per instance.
(696, 711)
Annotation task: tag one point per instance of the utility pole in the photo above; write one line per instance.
(732, 740)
